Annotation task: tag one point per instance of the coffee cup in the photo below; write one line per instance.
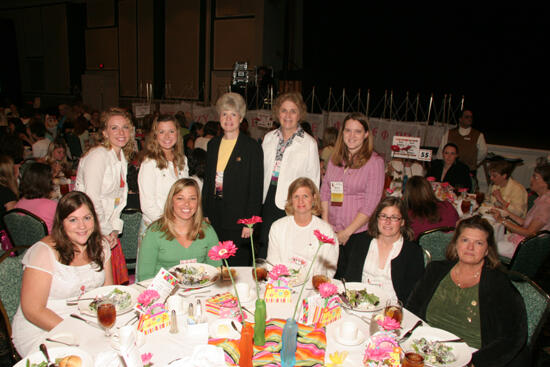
(348, 331)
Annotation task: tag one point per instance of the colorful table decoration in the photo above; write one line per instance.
(277, 289)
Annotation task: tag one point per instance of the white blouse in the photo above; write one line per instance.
(100, 175)
(373, 274)
(154, 186)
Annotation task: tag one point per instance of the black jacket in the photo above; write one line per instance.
(406, 269)
(503, 319)
(242, 183)
(457, 175)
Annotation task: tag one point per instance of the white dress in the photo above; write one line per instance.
(67, 282)
(290, 243)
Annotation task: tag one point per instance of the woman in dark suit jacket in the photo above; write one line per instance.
(233, 182)
(450, 169)
(388, 257)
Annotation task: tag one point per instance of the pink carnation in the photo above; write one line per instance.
(327, 289)
(322, 238)
(278, 271)
(146, 358)
(376, 354)
(148, 296)
(250, 221)
(223, 250)
(388, 323)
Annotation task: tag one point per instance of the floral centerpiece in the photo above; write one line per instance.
(383, 348)
(290, 330)
(277, 289)
(260, 312)
(154, 316)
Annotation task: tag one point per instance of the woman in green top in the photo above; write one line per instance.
(179, 234)
(471, 297)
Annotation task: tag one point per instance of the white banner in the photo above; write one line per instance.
(204, 114)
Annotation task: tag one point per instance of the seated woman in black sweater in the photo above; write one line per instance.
(470, 297)
(388, 257)
(450, 169)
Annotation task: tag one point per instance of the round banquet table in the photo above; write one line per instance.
(167, 347)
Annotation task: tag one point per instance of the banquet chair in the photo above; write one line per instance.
(537, 305)
(129, 237)
(436, 241)
(24, 228)
(11, 273)
(427, 257)
(531, 253)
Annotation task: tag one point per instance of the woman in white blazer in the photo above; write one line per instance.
(164, 163)
(289, 153)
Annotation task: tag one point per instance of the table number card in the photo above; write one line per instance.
(163, 283)
(278, 291)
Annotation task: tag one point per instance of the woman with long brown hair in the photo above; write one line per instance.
(8, 184)
(181, 233)
(72, 259)
(353, 184)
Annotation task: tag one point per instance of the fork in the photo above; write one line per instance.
(60, 342)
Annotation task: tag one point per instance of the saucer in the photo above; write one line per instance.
(358, 340)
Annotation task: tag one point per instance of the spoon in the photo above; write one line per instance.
(44, 351)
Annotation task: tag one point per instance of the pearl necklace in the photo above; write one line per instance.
(457, 276)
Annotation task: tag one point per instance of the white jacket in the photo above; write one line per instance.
(282, 245)
(300, 159)
(154, 186)
(99, 174)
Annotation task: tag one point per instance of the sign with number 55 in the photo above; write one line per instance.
(424, 155)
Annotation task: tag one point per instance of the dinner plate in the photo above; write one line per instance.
(461, 351)
(365, 307)
(83, 306)
(222, 328)
(54, 353)
(211, 272)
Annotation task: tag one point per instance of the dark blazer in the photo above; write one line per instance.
(458, 174)
(406, 269)
(503, 319)
(242, 183)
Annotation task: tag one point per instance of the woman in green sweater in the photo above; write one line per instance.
(179, 234)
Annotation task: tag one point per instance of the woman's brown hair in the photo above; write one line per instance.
(405, 230)
(167, 222)
(420, 199)
(303, 182)
(154, 151)
(475, 222)
(63, 245)
(341, 155)
(7, 174)
(294, 97)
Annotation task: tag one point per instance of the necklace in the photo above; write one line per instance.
(462, 284)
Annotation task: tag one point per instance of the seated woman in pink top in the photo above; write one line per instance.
(36, 188)
(424, 209)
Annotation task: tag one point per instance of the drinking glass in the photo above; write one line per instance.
(480, 197)
(465, 206)
(394, 309)
(413, 360)
(106, 315)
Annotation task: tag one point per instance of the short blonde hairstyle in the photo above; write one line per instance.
(303, 182)
(232, 102)
(294, 97)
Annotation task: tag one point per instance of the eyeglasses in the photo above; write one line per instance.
(393, 218)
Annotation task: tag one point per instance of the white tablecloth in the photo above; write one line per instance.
(166, 347)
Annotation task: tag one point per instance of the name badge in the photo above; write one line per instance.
(336, 193)
(189, 261)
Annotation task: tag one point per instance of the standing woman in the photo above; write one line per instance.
(232, 187)
(352, 185)
(102, 176)
(289, 153)
(164, 163)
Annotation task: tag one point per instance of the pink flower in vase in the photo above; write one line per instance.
(430, 179)
(278, 271)
(327, 289)
(146, 359)
(223, 250)
(250, 221)
(148, 297)
(388, 323)
(322, 238)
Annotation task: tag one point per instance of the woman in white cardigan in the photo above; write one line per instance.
(102, 176)
(289, 153)
(164, 164)
(291, 238)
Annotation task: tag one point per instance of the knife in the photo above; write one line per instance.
(409, 333)
(86, 321)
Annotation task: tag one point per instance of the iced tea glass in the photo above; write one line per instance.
(106, 315)
(394, 309)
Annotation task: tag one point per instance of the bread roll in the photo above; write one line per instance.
(71, 361)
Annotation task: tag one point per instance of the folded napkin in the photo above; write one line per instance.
(203, 355)
(108, 359)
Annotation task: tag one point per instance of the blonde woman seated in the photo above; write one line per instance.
(179, 234)
(291, 238)
(505, 192)
(74, 258)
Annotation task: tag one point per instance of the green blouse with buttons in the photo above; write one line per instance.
(456, 310)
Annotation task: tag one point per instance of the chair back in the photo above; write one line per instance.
(24, 228)
(427, 257)
(436, 241)
(130, 234)
(531, 254)
(11, 274)
(8, 354)
(537, 305)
